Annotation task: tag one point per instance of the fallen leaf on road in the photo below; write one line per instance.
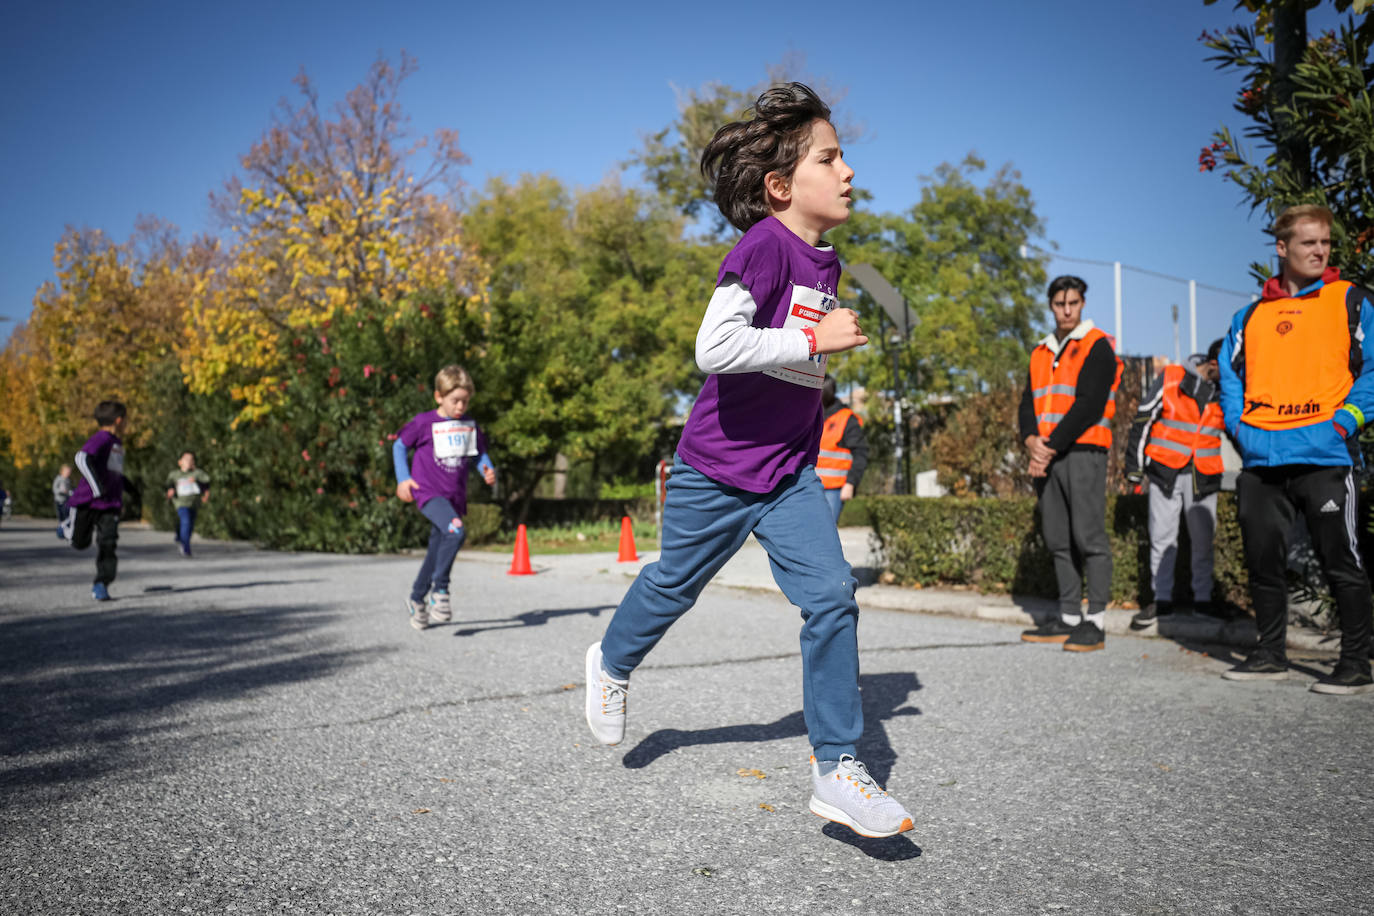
(420, 811)
(758, 774)
(569, 686)
(766, 807)
(1163, 766)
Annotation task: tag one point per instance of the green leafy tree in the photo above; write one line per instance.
(671, 158)
(594, 300)
(1310, 109)
(956, 257)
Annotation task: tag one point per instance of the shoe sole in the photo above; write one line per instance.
(1044, 639)
(1080, 647)
(1254, 675)
(1138, 627)
(593, 672)
(435, 618)
(831, 813)
(1341, 689)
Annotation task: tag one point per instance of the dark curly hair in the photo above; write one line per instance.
(773, 140)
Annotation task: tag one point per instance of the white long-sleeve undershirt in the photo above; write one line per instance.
(728, 342)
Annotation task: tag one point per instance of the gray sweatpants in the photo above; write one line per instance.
(1200, 515)
(1073, 513)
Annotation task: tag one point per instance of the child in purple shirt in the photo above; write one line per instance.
(445, 440)
(745, 462)
(95, 503)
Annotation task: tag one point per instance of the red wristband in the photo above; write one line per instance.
(810, 340)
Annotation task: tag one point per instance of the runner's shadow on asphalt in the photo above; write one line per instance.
(527, 619)
(884, 697)
(171, 589)
(82, 692)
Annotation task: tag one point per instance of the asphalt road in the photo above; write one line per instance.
(254, 732)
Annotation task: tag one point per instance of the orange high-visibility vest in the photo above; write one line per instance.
(833, 462)
(1182, 433)
(1297, 358)
(1054, 383)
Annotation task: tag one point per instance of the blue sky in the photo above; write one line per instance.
(120, 109)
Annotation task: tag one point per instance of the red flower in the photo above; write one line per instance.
(368, 370)
(305, 454)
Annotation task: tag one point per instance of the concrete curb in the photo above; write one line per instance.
(749, 570)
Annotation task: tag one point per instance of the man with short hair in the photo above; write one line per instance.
(1175, 442)
(1297, 383)
(1065, 419)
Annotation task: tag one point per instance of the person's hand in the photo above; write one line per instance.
(1039, 449)
(170, 493)
(846, 492)
(839, 331)
(1038, 468)
(205, 497)
(405, 490)
(489, 475)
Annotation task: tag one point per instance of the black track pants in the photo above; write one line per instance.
(104, 524)
(1269, 502)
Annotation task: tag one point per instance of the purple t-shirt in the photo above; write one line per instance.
(444, 450)
(750, 430)
(100, 464)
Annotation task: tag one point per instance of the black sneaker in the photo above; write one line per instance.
(1258, 666)
(1086, 637)
(1347, 678)
(1148, 614)
(1052, 630)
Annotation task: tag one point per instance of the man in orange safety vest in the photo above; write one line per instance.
(844, 449)
(1065, 419)
(1175, 442)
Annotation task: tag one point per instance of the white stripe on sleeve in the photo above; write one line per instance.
(82, 464)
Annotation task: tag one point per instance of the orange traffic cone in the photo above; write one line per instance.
(520, 565)
(627, 542)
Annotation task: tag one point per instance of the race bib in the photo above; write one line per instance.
(807, 308)
(453, 439)
(115, 463)
(187, 486)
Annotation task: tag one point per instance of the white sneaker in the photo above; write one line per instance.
(605, 700)
(849, 796)
(419, 616)
(440, 607)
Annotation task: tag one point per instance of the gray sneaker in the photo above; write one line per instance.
(419, 616)
(849, 796)
(440, 608)
(605, 700)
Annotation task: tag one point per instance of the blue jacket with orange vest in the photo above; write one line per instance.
(1297, 374)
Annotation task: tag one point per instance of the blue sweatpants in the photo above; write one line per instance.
(186, 524)
(446, 536)
(704, 524)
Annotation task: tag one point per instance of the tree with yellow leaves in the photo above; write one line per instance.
(328, 215)
(114, 315)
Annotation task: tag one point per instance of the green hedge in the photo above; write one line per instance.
(995, 545)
